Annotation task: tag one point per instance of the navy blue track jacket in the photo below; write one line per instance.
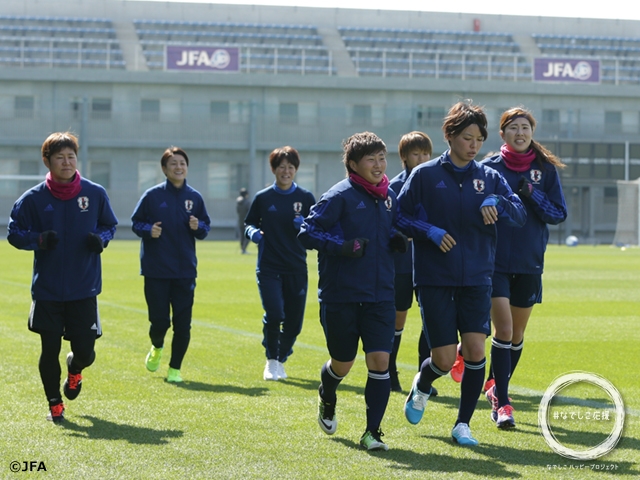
(521, 250)
(70, 271)
(346, 211)
(403, 261)
(437, 196)
(173, 254)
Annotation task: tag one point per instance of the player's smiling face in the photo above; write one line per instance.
(285, 174)
(371, 167)
(62, 165)
(176, 170)
(518, 135)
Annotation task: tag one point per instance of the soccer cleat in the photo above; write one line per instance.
(173, 375)
(505, 417)
(282, 375)
(416, 402)
(73, 383)
(458, 367)
(461, 434)
(488, 385)
(56, 413)
(327, 416)
(492, 398)
(271, 370)
(395, 382)
(373, 441)
(153, 359)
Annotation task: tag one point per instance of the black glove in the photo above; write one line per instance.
(48, 240)
(525, 189)
(354, 248)
(94, 243)
(399, 243)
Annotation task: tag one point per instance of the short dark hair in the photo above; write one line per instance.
(57, 142)
(414, 141)
(359, 145)
(460, 116)
(287, 153)
(170, 152)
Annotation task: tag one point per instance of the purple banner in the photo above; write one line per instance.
(572, 70)
(202, 59)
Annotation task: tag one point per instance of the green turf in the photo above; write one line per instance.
(226, 422)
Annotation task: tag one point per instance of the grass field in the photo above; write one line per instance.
(226, 422)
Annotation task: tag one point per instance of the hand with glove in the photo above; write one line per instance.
(399, 243)
(94, 243)
(354, 248)
(525, 188)
(48, 240)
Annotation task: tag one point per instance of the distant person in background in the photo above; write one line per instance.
(273, 223)
(169, 218)
(414, 148)
(67, 221)
(532, 172)
(242, 208)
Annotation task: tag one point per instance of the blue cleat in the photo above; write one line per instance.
(416, 402)
(462, 435)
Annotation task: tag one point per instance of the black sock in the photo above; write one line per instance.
(516, 351)
(501, 364)
(394, 353)
(470, 389)
(330, 381)
(428, 374)
(424, 351)
(376, 396)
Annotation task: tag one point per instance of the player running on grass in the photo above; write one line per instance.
(450, 206)
(273, 223)
(67, 221)
(351, 226)
(414, 148)
(531, 171)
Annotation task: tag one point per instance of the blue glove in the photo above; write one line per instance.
(490, 201)
(256, 236)
(297, 222)
(436, 235)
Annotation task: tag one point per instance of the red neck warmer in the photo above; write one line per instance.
(518, 162)
(64, 191)
(376, 191)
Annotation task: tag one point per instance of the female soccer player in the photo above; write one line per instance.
(450, 207)
(67, 221)
(169, 218)
(273, 223)
(351, 226)
(532, 171)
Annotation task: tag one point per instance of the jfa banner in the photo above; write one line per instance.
(210, 59)
(572, 70)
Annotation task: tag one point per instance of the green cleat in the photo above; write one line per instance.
(153, 359)
(173, 376)
(373, 441)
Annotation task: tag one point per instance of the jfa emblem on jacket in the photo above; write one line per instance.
(388, 203)
(478, 185)
(297, 207)
(536, 175)
(188, 205)
(83, 203)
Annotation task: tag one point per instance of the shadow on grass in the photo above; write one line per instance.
(208, 387)
(105, 430)
(410, 461)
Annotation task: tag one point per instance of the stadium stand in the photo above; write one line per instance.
(434, 53)
(59, 42)
(265, 48)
